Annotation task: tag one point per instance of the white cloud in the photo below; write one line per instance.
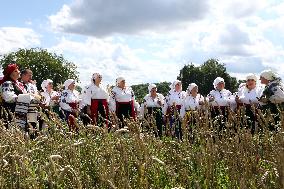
(241, 9)
(12, 38)
(113, 59)
(102, 18)
(238, 41)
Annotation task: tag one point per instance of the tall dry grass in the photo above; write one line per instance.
(130, 158)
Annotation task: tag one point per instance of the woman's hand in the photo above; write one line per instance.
(56, 98)
(211, 98)
(238, 100)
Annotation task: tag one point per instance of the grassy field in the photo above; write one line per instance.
(94, 158)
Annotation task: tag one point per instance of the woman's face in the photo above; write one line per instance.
(178, 87)
(122, 84)
(251, 84)
(221, 86)
(49, 86)
(153, 91)
(98, 79)
(72, 86)
(263, 80)
(194, 91)
(15, 74)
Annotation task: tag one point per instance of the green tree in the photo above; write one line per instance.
(205, 74)
(45, 65)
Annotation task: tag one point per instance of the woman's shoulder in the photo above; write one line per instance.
(6, 83)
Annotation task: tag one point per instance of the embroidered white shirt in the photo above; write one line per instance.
(151, 102)
(48, 96)
(191, 103)
(247, 96)
(67, 97)
(95, 92)
(122, 95)
(222, 98)
(173, 97)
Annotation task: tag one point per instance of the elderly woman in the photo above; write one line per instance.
(11, 88)
(152, 106)
(247, 97)
(50, 100)
(97, 98)
(123, 102)
(50, 97)
(193, 100)
(69, 104)
(172, 106)
(220, 100)
(272, 96)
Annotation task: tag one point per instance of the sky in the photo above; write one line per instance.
(148, 41)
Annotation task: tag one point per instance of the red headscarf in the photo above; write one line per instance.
(7, 72)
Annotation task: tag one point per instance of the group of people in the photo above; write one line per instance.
(98, 104)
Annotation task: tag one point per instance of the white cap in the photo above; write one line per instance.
(268, 74)
(45, 83)
(68, 82)
(251, 76)
(151, 86)
(217, 81)
(119, 79)
(173, 85)
(191, 86)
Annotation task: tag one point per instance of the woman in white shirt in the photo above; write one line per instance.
(69, 104)
(247, 98)
(97, 98)
(122, 101)
(50, 100)
(220, 100)
(191, 105)
(172, 106)
(152, 106)
(193, 101)
(51, 97)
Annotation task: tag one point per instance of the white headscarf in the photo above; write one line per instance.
(68, 82)
(173, 85)
(45, 83)
(251, 76)
(269, 75)
(217, 81)
(191, 86)
(119, 79)
(151, 86)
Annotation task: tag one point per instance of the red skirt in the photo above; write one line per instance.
(99, 106)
